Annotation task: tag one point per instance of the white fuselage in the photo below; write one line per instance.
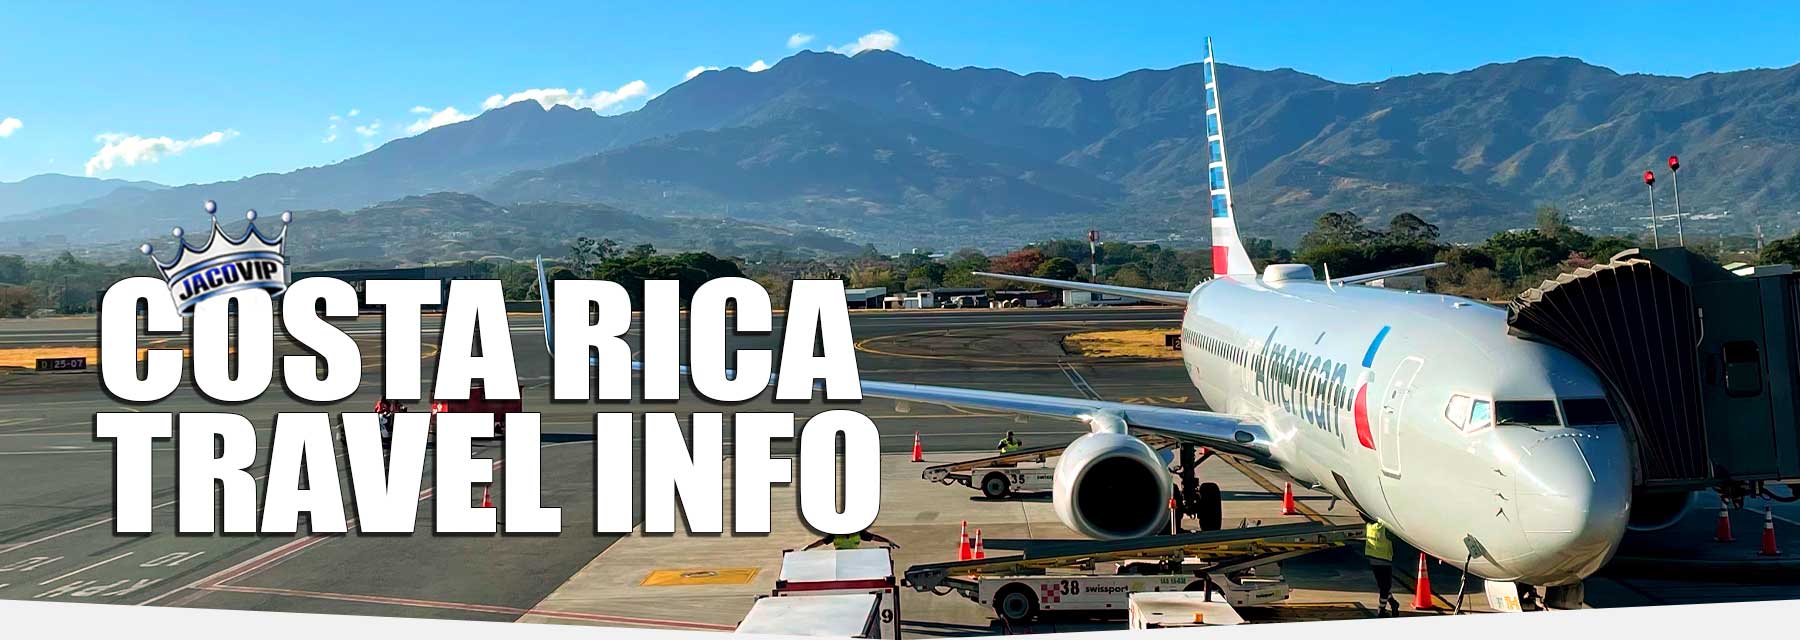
(1546, 503)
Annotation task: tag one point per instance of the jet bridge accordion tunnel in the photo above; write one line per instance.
(1700, 362)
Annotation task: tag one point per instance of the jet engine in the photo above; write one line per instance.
(1111, 486)
(1652, 511)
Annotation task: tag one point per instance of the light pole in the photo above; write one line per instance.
(1675, 183)
(1650, 181)
(1094, 255)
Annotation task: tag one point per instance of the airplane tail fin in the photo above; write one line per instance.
(1228, 255)
(544, 298)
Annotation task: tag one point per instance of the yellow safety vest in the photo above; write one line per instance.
(846, 541)
(1376, 543)
(1009, 445)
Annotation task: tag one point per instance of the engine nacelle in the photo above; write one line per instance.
(1653, 511)
(1112, 486)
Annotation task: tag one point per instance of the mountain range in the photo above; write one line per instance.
(891, 150)
(43, 194)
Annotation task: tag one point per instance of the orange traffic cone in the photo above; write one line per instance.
(1722, 533)
(980, 551)
(1422, 589)
(1768, 540)
(918, 448)
(1287, 500)
(963, 552)
(487, 501)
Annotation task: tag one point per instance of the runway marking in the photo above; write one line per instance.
(30, 564)
(102, 521)
(1081, 384)
(71, 573)
(270, 558)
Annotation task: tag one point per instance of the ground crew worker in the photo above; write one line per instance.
(1379, 549)
(851, 540)
(1010, 443)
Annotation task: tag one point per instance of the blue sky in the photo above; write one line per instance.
(199, 92)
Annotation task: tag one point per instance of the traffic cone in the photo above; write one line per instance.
(1287, 500)
(1723, 530)
(918, 448)
(1768, 540)
(963, 552)
(487, 501)
(1422, 588)
(980, 551)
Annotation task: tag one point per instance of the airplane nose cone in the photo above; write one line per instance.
(1574, 500)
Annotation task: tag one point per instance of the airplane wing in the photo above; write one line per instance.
(1177, 298)
(1402, 271)
(1225, 433)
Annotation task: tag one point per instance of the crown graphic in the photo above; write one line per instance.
(223, 264)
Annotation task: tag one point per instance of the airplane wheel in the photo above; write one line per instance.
(1016, 603)
(1211, 508)
(995, 486)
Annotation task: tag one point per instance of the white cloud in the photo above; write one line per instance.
(369, 130)
(757, 67)
(600, 101)
(117, 148)
(879, 40)
(355, 112)
(697, 71)
(435, 118)
(799, 40)
(8, 126)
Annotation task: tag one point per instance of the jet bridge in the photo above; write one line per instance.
(1700, 361)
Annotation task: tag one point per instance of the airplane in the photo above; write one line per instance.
(1420, 410)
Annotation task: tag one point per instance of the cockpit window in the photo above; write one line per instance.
(1588, 411)
(1469, 413)
(1526, 413)
(1482, 415)
(1458, 411)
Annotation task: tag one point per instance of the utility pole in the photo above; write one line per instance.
(1650, 181)
(1675, 183)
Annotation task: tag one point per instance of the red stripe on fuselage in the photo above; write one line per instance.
(1363, 434)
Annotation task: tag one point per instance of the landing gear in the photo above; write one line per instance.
(1200, 499)
(1564, 597)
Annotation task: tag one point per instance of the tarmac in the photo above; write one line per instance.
(57, 543)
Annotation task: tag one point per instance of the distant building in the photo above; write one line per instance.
(939, 297)
(1072, 298)
(359, 277)
(1027, 299)
(865, 298)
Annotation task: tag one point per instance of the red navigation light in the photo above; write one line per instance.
(1674, 163)
(1650, 178)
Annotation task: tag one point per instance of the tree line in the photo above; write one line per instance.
(1343, 242)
